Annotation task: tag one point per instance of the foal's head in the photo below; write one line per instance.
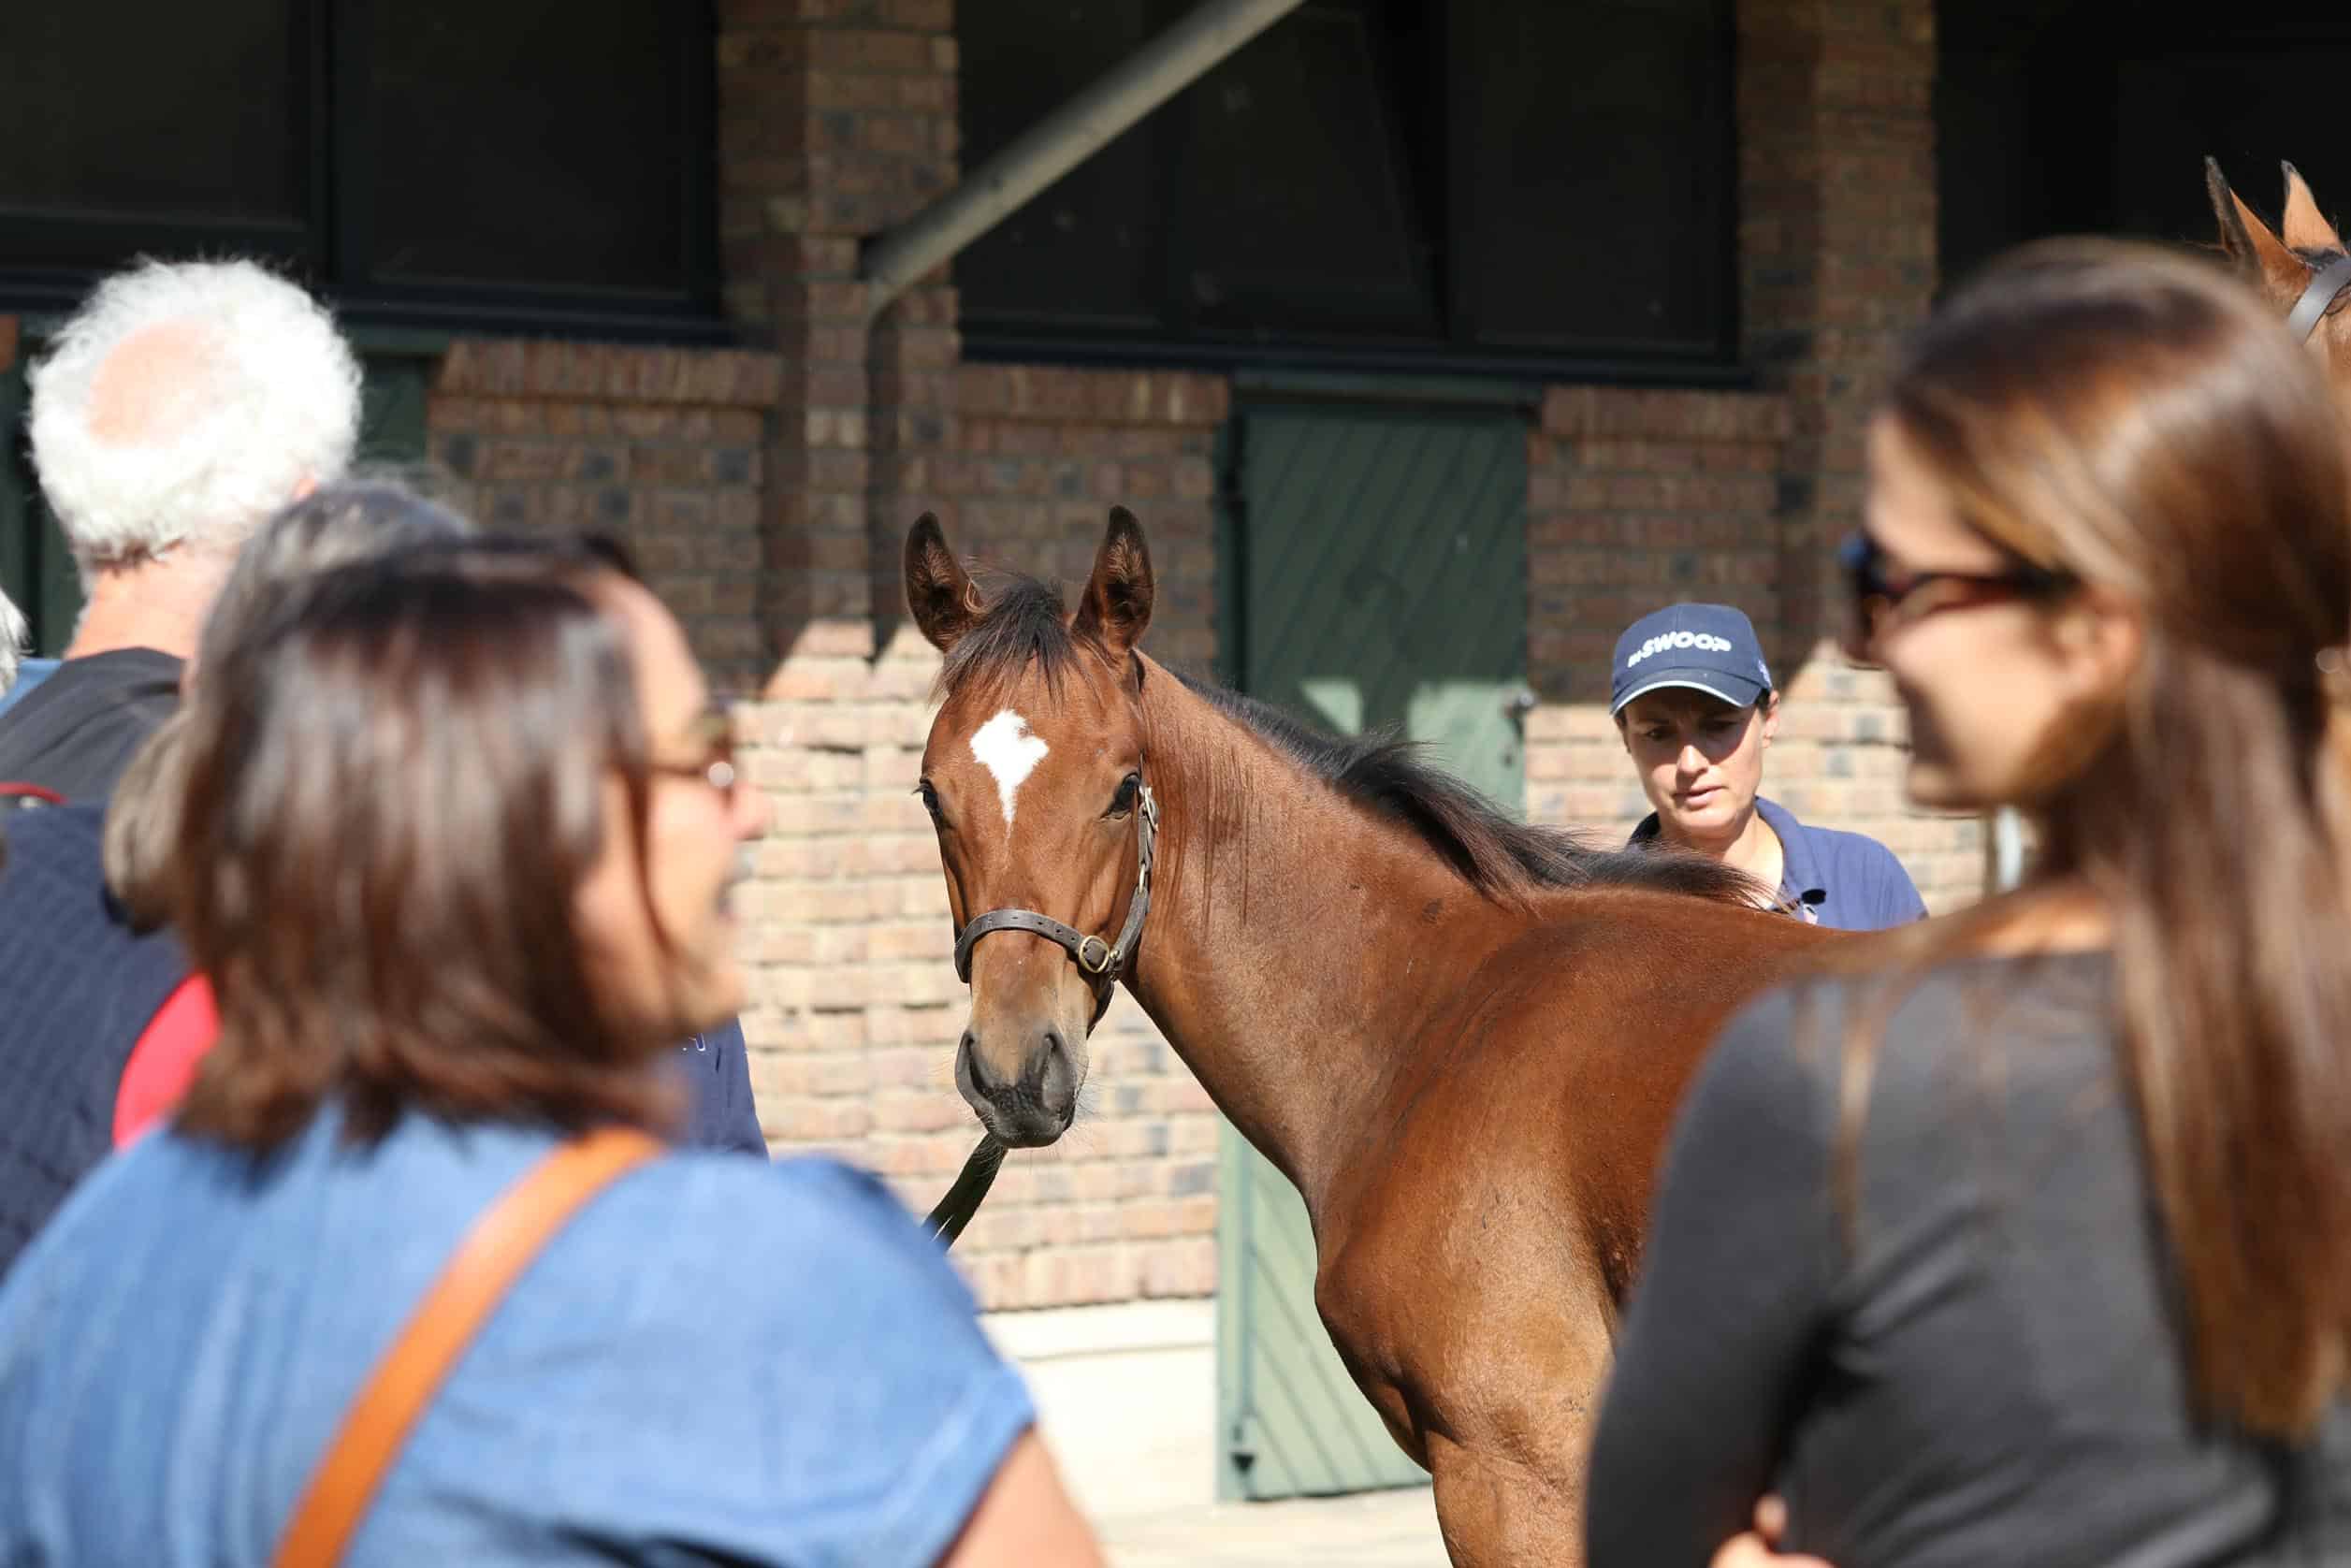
(1033, 777)
(2286, 263)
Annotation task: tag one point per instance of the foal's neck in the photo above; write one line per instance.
(1294, 939)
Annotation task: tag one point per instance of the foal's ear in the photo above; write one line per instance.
(939, 593)
(1117, 603)
(2246, 240)
(2304, 228)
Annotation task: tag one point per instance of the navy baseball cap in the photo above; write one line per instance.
(1706, 647)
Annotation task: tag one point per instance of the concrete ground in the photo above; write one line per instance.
(1373, 1530)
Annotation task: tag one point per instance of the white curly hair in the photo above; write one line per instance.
(14, 629)
(262, 400)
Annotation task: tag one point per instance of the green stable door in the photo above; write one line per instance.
(1376, 576)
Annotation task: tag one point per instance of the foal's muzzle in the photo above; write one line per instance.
(1034, 1107)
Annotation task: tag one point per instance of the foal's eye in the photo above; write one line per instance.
(930, 798)
(1124, 801)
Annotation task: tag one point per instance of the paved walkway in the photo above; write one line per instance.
(1375, 1530)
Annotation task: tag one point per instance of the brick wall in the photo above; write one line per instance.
(1836, 146)
(662, 448)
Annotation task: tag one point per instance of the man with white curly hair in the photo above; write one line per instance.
(184, 405)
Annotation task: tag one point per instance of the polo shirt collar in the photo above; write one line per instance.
(1799, 867)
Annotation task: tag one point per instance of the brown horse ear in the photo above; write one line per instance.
(2305, 228)
(939, 593)
(2247, 241)
(1117, 603)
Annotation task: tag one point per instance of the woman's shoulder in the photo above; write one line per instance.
(738, 1222)
(2018, 1022)
(1928, 1006)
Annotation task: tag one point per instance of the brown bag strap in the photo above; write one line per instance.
(497, 1249)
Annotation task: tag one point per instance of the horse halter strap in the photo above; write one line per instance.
(2319, 298)
(1103, 961)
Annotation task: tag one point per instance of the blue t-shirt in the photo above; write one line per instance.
(717, 1360)
(1839, 880)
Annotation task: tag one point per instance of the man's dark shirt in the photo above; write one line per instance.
(77, 731)
(77, 986)
(725, 1116)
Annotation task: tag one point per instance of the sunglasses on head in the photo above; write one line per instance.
(1884, 599)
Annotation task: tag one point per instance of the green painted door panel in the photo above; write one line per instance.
(1377, 579)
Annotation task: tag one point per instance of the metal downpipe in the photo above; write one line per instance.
(892, 261)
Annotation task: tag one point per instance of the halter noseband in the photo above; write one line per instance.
(1103, 961)
(2319, 299)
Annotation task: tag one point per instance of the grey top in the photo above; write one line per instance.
(1984, 1365)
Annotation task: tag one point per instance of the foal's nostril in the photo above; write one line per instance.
(975, 1067)
(1054, 1075)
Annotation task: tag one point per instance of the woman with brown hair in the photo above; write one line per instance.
(457, 837)
(2027, 1239)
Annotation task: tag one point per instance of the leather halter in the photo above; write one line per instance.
(2319, 298)
(1103, 961)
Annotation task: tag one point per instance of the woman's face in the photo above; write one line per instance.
(661, 948)
(1988, 679)
(1701, 760)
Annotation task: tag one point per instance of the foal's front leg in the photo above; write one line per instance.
(1496, 1512)
(1511, 1455)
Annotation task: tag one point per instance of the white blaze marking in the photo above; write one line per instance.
(1007, 750)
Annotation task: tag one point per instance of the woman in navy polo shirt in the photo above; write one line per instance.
(1694, 700)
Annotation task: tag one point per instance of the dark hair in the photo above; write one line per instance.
(2137, 420)
(335, 524)
(394, 785)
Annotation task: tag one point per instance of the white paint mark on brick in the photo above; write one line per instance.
(1007, 750)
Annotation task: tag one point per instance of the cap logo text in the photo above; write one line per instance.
(1705, 640)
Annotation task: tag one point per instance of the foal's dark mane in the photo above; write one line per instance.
(1026, 625)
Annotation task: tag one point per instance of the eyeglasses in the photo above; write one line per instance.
(715, 768)
(1884, 600)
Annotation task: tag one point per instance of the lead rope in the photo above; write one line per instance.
(947, 1220)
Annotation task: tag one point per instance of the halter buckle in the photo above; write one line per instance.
(1088, 964)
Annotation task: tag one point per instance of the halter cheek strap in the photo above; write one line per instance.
(2319, 297)
(1103, 961)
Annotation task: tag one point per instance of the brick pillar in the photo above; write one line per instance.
(1837, 149)
(836, 120)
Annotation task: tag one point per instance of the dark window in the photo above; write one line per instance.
(149, 143)
(1387, 179)
(1085, 250)
(1595, 174)
(2097, 118)
(1295, 191)
(501, 161)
